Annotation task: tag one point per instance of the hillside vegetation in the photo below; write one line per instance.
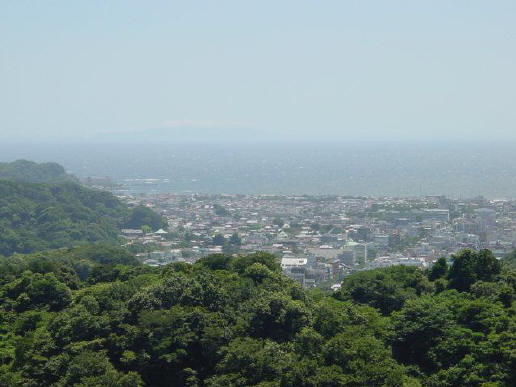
(31, 172)
(510, 260)
(90, 316)
(41, 216)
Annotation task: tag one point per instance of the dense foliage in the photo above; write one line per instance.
(31, 172)
(141, 215)
(92, 316)
(36, 217)
(510, 260)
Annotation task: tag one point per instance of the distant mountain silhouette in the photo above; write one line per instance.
(193, 133)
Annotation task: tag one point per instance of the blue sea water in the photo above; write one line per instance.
(373, 169)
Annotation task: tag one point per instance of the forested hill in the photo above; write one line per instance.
(31, 172)
(36, 217)
(91, 316)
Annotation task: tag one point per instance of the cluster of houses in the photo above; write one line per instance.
(318, 239)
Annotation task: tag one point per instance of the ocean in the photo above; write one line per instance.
(458, 170)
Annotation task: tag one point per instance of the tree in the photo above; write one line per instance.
(462, 273)
(487, 267)
(141, 215)
(418, 327)
(47, 290)
(241, 263)
(258, 272)
(363, 359)
(509, 261)
(438, 270)
(386, 289)
(220, 210)
(247, 361)
(278, 222)
(146, 229)
(90, 368)
(277, 316)
(105, 254)
(216, 262)
(470, 266)
(235, 240)
(218, 240)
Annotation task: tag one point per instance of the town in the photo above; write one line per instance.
(321, 239)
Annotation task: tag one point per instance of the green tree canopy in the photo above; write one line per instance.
(143, 216)
(471, 266)
(91, 316)
(385, 289)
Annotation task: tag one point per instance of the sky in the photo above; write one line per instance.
(287, 70)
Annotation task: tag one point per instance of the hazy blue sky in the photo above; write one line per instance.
(293, 69)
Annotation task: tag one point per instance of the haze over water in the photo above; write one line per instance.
(375, 169)
(334, 84)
